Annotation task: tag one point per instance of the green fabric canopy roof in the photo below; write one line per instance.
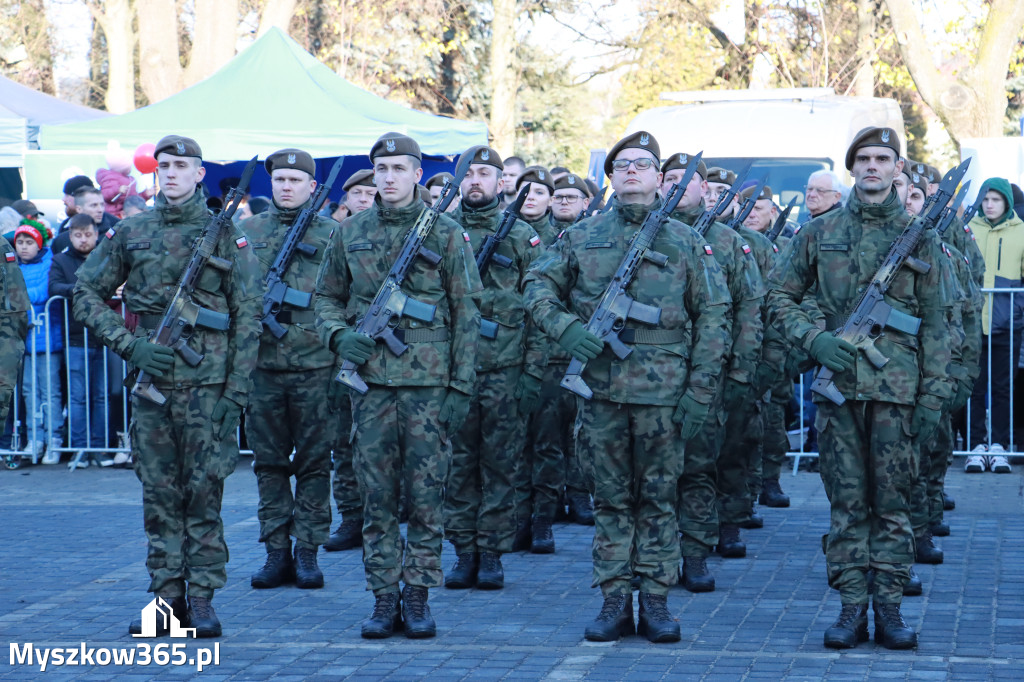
(272, 95)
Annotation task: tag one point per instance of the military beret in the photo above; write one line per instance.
(439, 179)
(290, 158)
(919, 181)
(395, 144)
(930, 173)
(538, 174)
(178, 145)
(76, 183)
(486, 156)
(721, 175)
(360, 177)
(641, 139)
(682, 160)
(873, 137)
(592, 188)
(573, 181)
(766, 193)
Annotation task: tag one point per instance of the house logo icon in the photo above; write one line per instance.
(157, 616)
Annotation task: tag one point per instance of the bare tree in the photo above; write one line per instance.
(504, 76)
(160, 69)
(115, 18)
(213, 42)
(276, 13)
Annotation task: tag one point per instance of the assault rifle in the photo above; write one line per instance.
(489, 252)
(748, 205)
(277, 292)
(949, 213)
(973, 210)
(617, 306)
(588, 209)
(872, 314)
(182, 314)
(391, 302)
(780, 222)
(710, 215)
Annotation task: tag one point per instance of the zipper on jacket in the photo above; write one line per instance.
(999, 256)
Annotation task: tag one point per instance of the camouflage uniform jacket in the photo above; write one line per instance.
(549, 235)
(557, 228)
(567, 282)
(746, 288)
(15, 302)
(519, 342)
(544, 228)
(300, 348)
(966, 322)
(358, 260)
(147, 253)
(841, 252)
(962, 237)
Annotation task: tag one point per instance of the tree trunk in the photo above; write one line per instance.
(276, 13)
(115, 18)
(864, 79)
(973, 103)
(503, 77)
(216, 30)
(159, 53)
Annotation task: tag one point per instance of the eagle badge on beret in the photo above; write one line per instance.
(571, 179)
(723, 174)
(684, 159)
(389, 145)
(885, 136)
(180, 146)
(291, 158)
(540, 174)
(645, 139)
(485, 155)
(915, 177)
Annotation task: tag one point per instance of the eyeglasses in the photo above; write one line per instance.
(639, 164)
(818, 190)
(565, 199)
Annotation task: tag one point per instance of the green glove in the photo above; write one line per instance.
(354, 347)
(964, 388)
(735, 394)
(580, 343)
(226, 414)
(151, 358)
(691, 415)
(528, 393)
(835, 353)
(924, 422)
(454, 411)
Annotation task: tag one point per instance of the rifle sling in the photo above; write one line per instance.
(652, 337)
(150, 322)
(421, 335)
(296, 317)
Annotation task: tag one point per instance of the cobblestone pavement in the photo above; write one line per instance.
(72, 572)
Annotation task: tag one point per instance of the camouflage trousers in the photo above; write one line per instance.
(12, 350)
(398, 438)
(290, 410)
(480, 513)
(345, 486)
(182, 467)
(738, 461)
(548, 451)
(775, 443)
(933, 461)
(635, 457)
(697, 503)
(868, 465)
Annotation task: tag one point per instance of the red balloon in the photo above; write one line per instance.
(144, 159)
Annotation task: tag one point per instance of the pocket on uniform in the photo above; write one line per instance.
(820, 421)
(211, 280)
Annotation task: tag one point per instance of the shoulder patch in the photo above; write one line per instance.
(10, 257)
(534, 240)
(110, 233)
(241, 242)
(746, 248)
(707, 250)
(465, 235)
(775, 248)
(560, 233)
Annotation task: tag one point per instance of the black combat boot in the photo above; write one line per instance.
(348, 535)
(491, 575)
(927, 552)
(614, 621)
(754, 521)
(179, 607)
(913, 587)
(543, 541)
(939, 529)
(278, 570)
(655, 622)
(386, 617)
(730, 546)
(202, 617)
(463, 573)
(419, 624)
(524, 535)
(695, 576)
(307, 574)
(948, 503)
(850, 629)
(772, 495)
(891, 631)
(581, 509)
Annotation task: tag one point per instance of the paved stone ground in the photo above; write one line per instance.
(72, 571)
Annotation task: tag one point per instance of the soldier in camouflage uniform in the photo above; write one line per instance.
(290, 407)
(415, 401)
(697, 505)
(184, 449)
(867, 453)
(480, 514)
(345, 487)
(13, 325)
(629, 433)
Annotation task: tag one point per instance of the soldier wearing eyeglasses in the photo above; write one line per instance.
(630, 434)
(570, 197)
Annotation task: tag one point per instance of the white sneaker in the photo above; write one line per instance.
(51, 456)
(980, 447)
(975, 464)
(121, 458)
(996, 449)
(82, 463)
(998, 464)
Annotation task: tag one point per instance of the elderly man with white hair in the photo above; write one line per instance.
(824, 192)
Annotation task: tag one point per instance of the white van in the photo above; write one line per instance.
(786, 133)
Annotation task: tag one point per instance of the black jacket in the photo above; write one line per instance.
(63, 276)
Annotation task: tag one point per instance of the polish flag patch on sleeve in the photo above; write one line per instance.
(465, 235)
(746, 249)
(534, 240)
(776, 248)
(10, 257)
(707, 250)
(560, 234)
(110, 233)
(241, 242)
